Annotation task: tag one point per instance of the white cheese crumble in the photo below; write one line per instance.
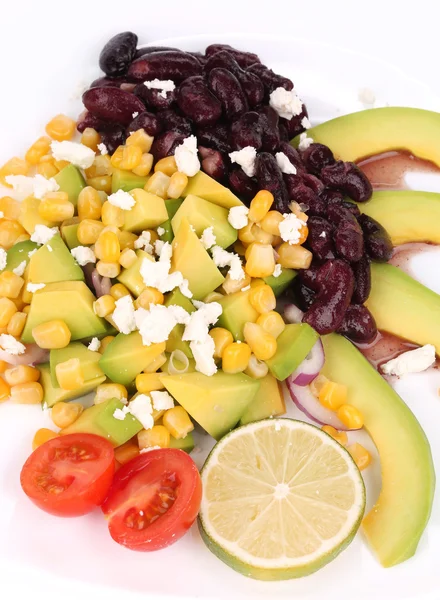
(83, 255)
(135, 114)
(186, 157)
(306, 123)
(34, 287)
(203, 353)
(37, 186)
(157, 273)
(304, 141)
(208, 238)
(3, 258)
(43, 234)
(122, 200)
(286, 103)
(162, 400)
(414, 361)
(323, 234)
(120, 413)
(123, 315)
(277, 271)
(94, 345)
(143, 242)
(179, 313)
(164, 85)
(222, 258)
(245, 158)
(11, 345)
(19, 270)
(103, 149)
(160, 231)
(206, 314)
(238, 216)
(142, 409)
(284, 164)
(77, 154)
(290, 228)
(155, 324)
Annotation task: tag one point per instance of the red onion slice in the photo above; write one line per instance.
(100, 284)
(310, 366)
(293, 314)
(34, 355)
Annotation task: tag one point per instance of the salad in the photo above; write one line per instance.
(189, 253)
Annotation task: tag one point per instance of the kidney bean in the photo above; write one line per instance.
(313, 183)
(338, 212)
(326, 314)
(323, 273)
(302, 194)
(146, 120)
(329, 195)
(213, 163)
(174, 65)
(112, 136)
(153, 49)
(245, 187)
(244, 59)
(166, 143)
(226, 87)
(87, 119)
(197, 102)
(377, 241)
(246, 131)
(200, 57)
(303, 295)
(128, 87)
(269, 122)
(348, 178)
(316, 157)
(215, 136)
(284, 134)
(349, 240)
(309, 277)
(320, 238)
(108, 82)
(223, 60)
(270, 80)
(112, 104)
(294, 125)
(293, 155)
(345, 204)
(171, 121)
(362, 276)
(358, 324)
(117, 54)
(270, 178)
(153, 99)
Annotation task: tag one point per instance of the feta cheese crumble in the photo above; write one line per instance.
(157, 273)
(11, 345)
(143, 242)
(199, 321)
(414, 361)
(286, 103)
(160, 231)
(155, 324)
(306, 123)
(123, 315)
(122, 200)
(162, 400)
(164, 85)
(43, 234)
(238, 216)
(3, 258)
(83, 255)
(37, 186)
(208, 238)
(323, 234)
(290, 228)
(284, 164)
(245, 158)
(103, 149)
(34, 287)
(135, 114)
(277, 271)
(186, 157)
(203, 353)
(222, 258)
(19, 270)
(121, 413)
(304, 141)
(142, 409)
(94, 345)
(77, 154)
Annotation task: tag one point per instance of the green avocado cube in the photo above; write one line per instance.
(175, 341)
(131, 277)
(89, 361)
(237, 311)
(186, 444)
(52, 394)
(293, 345)
(53, 262)
(19, 253)
(126, 181)
(172, 207)
(69, 232)
(282, 282)
(71, 181)
(148, 213)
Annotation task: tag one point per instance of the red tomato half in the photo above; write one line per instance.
(70, 475)
(154, 500)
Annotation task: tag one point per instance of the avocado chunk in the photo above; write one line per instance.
(19, 253)
(294, 344)
(88, 359)
(379, 130)
(52, 394)
(394, 526)
(217, 403)
(99, 420)
(29, 215)
(202, 214)
(148, 212)
(69, 232)
(403, 306)
(53, 262)
(71, 181)
(126, 356)
(70, 301)
(282, 282)
(172, 206)
(193, 261)
(175, 341)
(186, 444)
(131, 277)
(237, 311)
(406, 215)
(126, 181)
(208, 188)
(268, 401)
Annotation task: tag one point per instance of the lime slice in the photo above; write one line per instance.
(281, 499)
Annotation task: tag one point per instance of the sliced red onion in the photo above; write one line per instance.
(310, 366)
(311, 407)
(34, 355)
(106, 284)
(293, 314)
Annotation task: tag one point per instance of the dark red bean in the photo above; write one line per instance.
(213, 163)
(358, 324)
(349, 240)
(174, 65)
(320, 238)
(146, 120)
(304, 297)
(309, 277)
(223, 60)
(284, 134)
(345, 204)
(327, 312)
(244, 59)
(108, 82)
(348, 178)
(313, 183)
(362, 276)
(338, 212)
(112, 104)
(293, 155)
(166, 143)
(197, 102)
(245, 187)
(87, 119)
(171, 121)
(216, 136)
(112, 136)
(246, 131)
(377, 241)
(270, 178)
(316, 157)
(329, 195)
(117, 54)
(269, 122)
(302, 194)
(294, 126)
(200, 57)
(269, 79)
(226, 87)
(153, 99)
(153, 49)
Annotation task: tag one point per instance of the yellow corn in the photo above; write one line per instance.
(262, 344)
(245, 234)
(260, 260)
(149, 296)
(261, 236)
(89, 204)
(256, 368)
(108, 269)
(145, 166)
(110, 390)
(107, 247)
(177, 421)
(10, 284)
(158, 184)
(10, 208)
(271, 222)
(27, 393)
(230, 286)
(61, 128)
(112, 215)
(52, 334)
(47, 168)
(296, 209)
(3, 366)
(101, 167)
(222, 338)
(21, 374)
(10, 231)
(7, 310)
(102, 183)
(69, 374)
(23, 238)
(105, 342)
(90, 138)
(213, 297)
(126, 239)
(235, 357)
(38, 150)
(104, 305)
(128, 258)
(260, 206)
(272, 322)
(42, 436)
(60, 164)
(126, 452)
(262, 298)
(14, 166)
(156, 436)
(333, 395)
(65, 413)
(350, 416)
(148, 382)
(140, 138)
(88, 231)
(317, 384)
(153, 366)
(177, 186)
(55, 206)
(127, 157)
(27, 309)
(5, 390)
(294, 256)
(19, 302)
(166, 165)
(339, 436)
(119, 291)
(360, 455)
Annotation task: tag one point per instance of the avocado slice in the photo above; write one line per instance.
(293, 345)
(69, 232)
(217, 403)
(208, 188)
(237, 310)
(19, 253)
(131, 277)
(394, 526)
(282, 282)
(148, 213)
(126, 181)
(202, 214)
(71, 181)
(195, 264)
(99, 420)
(186, 444)
(29, 215)
(52, 394)
(88, 359)
(70, 301)
(53, 262)
(175, 341)
(379, 130)
(126, 356)
(268, 401)
(172, 206)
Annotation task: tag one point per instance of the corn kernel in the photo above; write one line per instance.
(24, 237)
(213, 297)
(104, 305)
(177, 421)
(148, 382)
(272, 322)
(89, 204)
(61, 128)
(110, 390)
(52, 334)
(27, 393)
(119, 291)
(340, 436)
(38, 150)
(42, 436)
(239, 248)
(107, 247)
(69, 374)
(127, 157)
(256, 368)
(149, 296)
(19, 302)
(55, 206)
(360, 455)
(108, 269)
(127, 239)
(262, 344)
(27, 309)
(21, 374)
(126, 452)
(350, 416)
(260, 206)
(261, 236)
(105, 342)
(61, 164)
(10, 284)
(222, 338)
(140, 138)
(65, 413)
(245, 234)
(262, 298)
(128, 258)
(7, 310)
(145, 166)
(88, 231)
(90, 138)
(10, 231)
(154, 365)
(156, 436)
(158, 184)
(260, 260)
(166, 165)
(5, 390)
(177, 186)
(101, 167)
(112, 215)
(14, 166)
(271, 222)
(47, 169)
(317, 384)
(333, 395)
(235, 357)
(231, 286)
(3, 366)
(102, 183)
(10, 208)
(293, 256)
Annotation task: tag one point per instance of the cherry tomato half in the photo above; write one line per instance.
(69, 475)
(154, 500)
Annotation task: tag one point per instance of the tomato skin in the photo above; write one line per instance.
(135, 492)
(89, 476)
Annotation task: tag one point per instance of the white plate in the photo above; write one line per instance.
(39, 553)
